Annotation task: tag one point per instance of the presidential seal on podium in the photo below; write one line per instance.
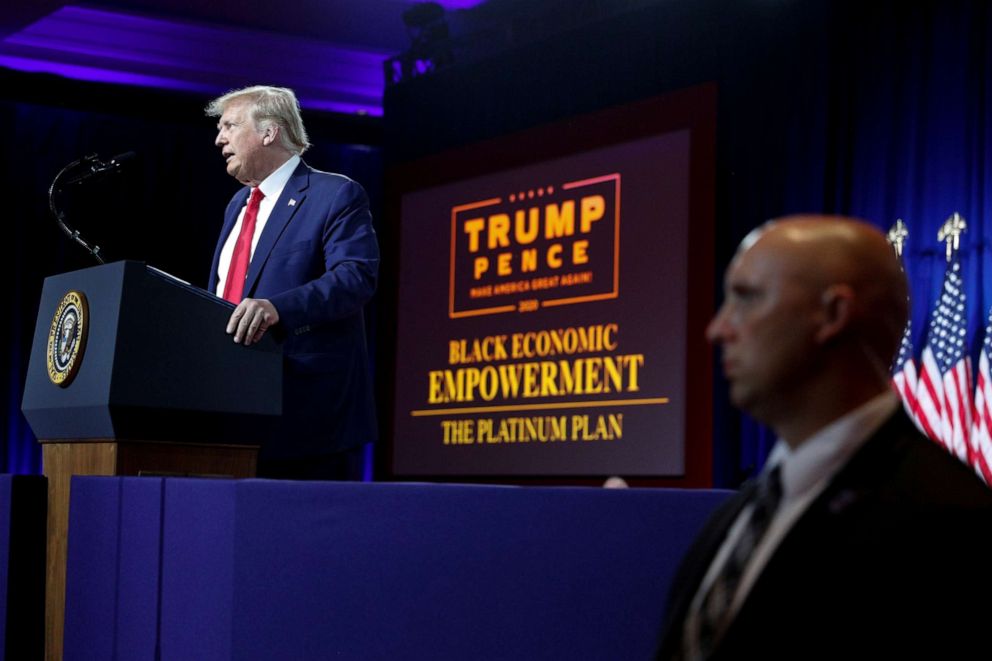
(67, 338)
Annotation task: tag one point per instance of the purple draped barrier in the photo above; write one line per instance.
(260, 569)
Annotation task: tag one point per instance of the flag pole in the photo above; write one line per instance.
(897, 236)
(950, 233)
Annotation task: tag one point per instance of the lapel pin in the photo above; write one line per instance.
(292, 202)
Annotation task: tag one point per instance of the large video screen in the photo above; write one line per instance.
(543, 312)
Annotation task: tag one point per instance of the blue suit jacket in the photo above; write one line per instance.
(316, 260)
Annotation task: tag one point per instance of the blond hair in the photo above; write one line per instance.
(269, 105)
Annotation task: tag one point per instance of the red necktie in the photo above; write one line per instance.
(238, 270)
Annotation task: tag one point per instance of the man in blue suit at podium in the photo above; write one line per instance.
(297, 253)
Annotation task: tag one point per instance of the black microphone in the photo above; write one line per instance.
(95, 168)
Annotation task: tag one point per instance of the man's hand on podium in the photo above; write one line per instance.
(251, 319)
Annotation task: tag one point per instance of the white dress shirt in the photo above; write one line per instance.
(272, 188)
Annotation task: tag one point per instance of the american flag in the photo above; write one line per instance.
(981, 432)
(943, 394)
(904, 378)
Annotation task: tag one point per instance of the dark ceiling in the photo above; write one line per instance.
(330, 51)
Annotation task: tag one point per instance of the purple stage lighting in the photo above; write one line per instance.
(113, 47)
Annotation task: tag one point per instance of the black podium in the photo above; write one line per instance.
(131, 373)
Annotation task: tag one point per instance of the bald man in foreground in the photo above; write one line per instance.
(861, 538)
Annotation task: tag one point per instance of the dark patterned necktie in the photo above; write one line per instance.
(714, 612)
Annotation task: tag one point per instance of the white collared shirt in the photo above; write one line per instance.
(272, 188)
(805, 472)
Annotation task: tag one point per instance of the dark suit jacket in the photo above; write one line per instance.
(884, 564)
(317, 261)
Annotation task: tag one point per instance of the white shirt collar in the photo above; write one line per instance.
(821, 456)
(273, 184)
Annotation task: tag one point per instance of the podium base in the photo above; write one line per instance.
(64, 458)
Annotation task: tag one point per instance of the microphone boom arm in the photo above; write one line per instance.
(55, 190)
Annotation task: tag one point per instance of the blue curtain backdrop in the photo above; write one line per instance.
(906, 119)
